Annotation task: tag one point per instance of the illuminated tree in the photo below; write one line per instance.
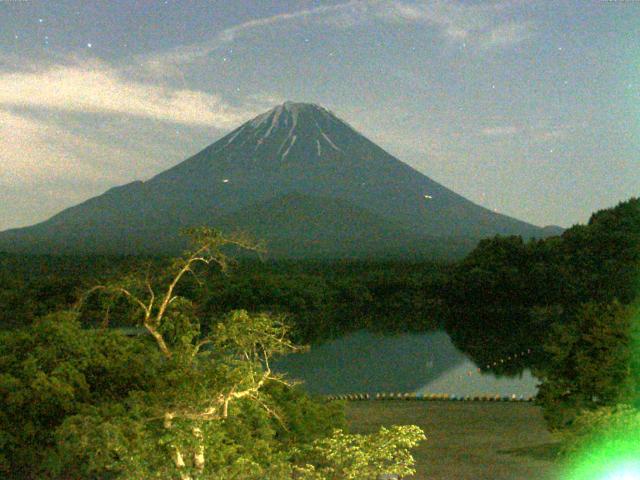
(174, 401)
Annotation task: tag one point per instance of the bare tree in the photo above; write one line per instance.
(249, 340)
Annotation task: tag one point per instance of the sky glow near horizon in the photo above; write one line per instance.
(528, 108)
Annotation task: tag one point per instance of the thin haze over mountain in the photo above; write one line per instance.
(296, 175)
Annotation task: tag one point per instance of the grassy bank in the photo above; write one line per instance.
(467, 440)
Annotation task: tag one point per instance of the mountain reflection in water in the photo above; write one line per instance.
(363, 362)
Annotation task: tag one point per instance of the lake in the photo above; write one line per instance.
(365, 362)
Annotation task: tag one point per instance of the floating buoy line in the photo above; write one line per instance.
(431, 397)
(447, 396)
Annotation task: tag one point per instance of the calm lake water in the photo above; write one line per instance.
(364, 362)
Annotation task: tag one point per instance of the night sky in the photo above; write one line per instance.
(531, 108)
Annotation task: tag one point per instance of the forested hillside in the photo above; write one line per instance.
(501, 298)
(507, 293)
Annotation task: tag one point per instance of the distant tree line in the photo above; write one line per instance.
(321, 299)
(572, 299)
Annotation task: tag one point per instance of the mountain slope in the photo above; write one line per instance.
(292, 148)
(302, 226)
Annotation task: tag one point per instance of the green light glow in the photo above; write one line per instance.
(617, 460)
(626, 471)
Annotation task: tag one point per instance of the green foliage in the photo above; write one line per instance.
(322, 300)
(507, 295)
(589, 363)
(496, 296)
(128, 444)
(53, 370)
(617, 426)
(344, 456)
(181, 327)
(301, 419)
(172, 401)
(241, 333)
(90, 403)
(604, 255)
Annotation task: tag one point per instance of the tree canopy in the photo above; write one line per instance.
(173, 400)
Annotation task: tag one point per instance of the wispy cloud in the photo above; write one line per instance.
(539, 133)
(500, 131)
(454, 20)
(38, 142)
(507, 34)
(45, 168)
(33, 151)
(551, 133)
(488, 25)
(99, 88)
(191, 53)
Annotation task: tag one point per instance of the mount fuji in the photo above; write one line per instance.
(296, 176)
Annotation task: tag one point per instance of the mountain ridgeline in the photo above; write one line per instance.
(296, 176)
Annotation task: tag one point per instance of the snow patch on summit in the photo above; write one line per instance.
(288, 115)
(238, 131)
(260, 119)
(293, 141)
(274, 122)
(324, 135)
(294, 110)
